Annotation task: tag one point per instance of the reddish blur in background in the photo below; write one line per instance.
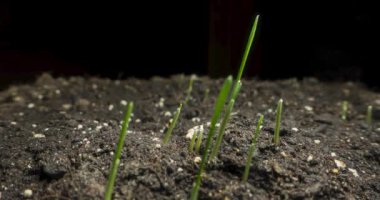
(332, 40)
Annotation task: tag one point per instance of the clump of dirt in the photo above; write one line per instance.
(58, 137)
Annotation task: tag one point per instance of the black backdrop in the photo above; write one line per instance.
(333, 40)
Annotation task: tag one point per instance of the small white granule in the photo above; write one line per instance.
(123, 102)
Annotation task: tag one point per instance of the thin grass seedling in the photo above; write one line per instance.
(344, 110)
(199, 139)
(252, 149)
(223, 94)
(188, 92)
(278, 122)
(225, 120)
(116, 159)
(369, 115)
(169, 132)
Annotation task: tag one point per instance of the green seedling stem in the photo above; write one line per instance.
(278, 122)
(369, 115)
(248, 48)
(225, 120)
(191, 81)
(116, 159)
(344, 110)
(252, 149)
(199, 140)
(169, 132)
(218, 109)
(192, 142)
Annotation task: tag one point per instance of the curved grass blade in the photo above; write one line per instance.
(116, 159)
(248, 48)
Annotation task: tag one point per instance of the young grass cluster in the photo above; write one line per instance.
(223, 94)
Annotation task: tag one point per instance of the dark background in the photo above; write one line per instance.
(332, 40)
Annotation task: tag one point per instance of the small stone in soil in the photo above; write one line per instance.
(308, 108)
(27, 193)
(340, 164)
(354, 172)
(123, 102)
(31, 105)
(66, 106)
(110, 107)
(167, 114)
(197, 159)
(310, 158)
(317, 141)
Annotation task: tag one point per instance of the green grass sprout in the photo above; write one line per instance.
(278, 122)
(252, 148)
(217, 110)
(199, 139)
(369, 115)
(116, 159)
(344, 110)
(188, 92)
(248, 48)
(169, 132)
(223, 125)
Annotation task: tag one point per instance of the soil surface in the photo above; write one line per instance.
(57, 138)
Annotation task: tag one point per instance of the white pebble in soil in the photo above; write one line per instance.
(167, 114)
(196, 119)
(27, 193)
(317, 141)
(123, 102)
(158, 146)
(333, 154)
(340, 164)
(31, 105)
(193, 130)
(310, 158)
(110, 107)
(295, 129)
(197, 159)
(13, 123)
(308, 108)
(34, 125)
(66, 106)
(354, 172)
(80, 126)
(137, 120)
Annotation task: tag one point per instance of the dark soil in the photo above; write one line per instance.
(58, 137)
